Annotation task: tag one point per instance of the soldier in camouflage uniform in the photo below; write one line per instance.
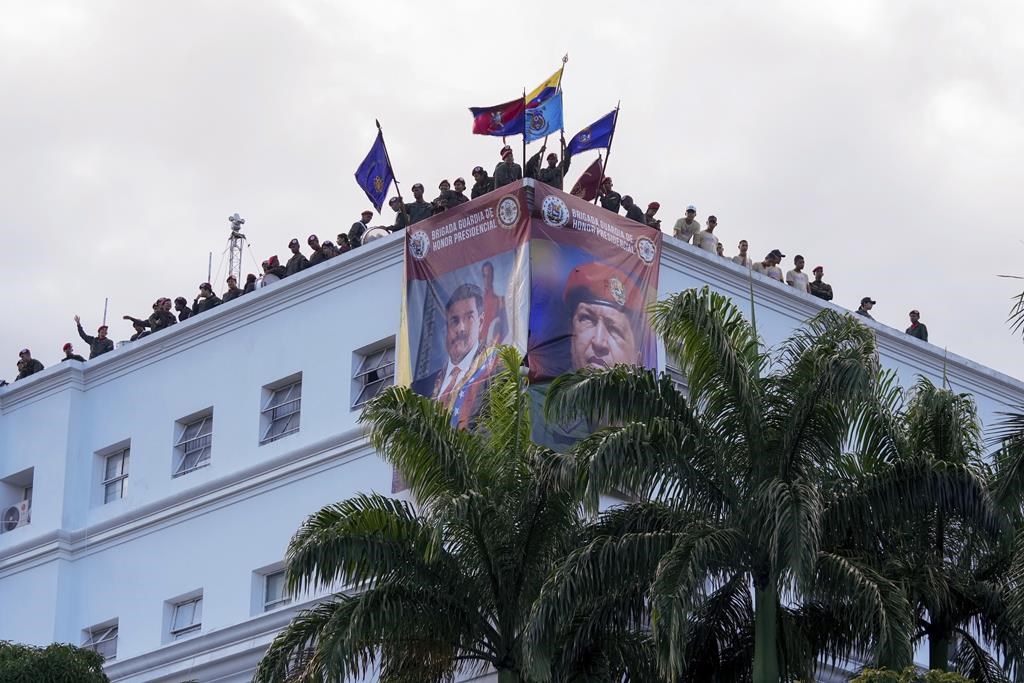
(610, 199)
(458, 195)
(819, 287)
(554, 173)
(508, 171)
(419, 209)
(483, 183)
(401, 217)
(99, 344)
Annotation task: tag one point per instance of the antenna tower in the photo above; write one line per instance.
(236, 243)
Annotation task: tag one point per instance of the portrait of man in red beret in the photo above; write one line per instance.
(603, 305)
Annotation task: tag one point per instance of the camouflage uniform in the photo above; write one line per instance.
(505, 174)
(822, 290)
(482, 187)
(418, 211)
(553, 176)
(97, 346)
(161, 319)
(611, 200)
(919, 330)
(296, 264)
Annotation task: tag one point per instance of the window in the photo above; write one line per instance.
(193, 445)
(103, 640)
(115, 475)
(375, 372)
(187, 617)
(281, 409)
(274, 594)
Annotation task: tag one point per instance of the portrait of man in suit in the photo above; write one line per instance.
(463, 315)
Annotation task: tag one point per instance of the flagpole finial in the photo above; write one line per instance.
(377, 121)
(565, 58)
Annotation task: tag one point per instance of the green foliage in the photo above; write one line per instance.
(448, 583)
(56, 663)
(908, 675)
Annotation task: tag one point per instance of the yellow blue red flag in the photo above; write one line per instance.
(545, 90)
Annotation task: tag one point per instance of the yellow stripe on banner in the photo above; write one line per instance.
(551, 82)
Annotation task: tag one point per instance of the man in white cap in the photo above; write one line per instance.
(687, 226)
(508, 171)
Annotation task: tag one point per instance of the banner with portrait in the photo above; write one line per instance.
(466, 291)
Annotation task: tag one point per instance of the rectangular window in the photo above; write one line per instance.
(103, 640)
(274, 594)
(281, 410)
(187, 617)
(193, 445)
(115, 475)
(374, 373)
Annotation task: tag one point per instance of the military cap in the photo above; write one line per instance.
(552, 155)
(654, 205)
(311, 238)
(293, 243)
(478, 169)
(367, 212)
(505, 151)
(867, 300)
(393, 201)
(24, 352)
(443, 182)
(205, 285)
(459, 180)
(67, 347)
(598, 283)
(419, 185)
(817, 268)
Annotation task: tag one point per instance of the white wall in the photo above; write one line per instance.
(81, 563)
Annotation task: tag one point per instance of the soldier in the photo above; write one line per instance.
(687, 226)
(27, 365)
(250, 284)
(99, 344)
(297, 262)
(206, 299)
(706, 238)
(554, 173)
(633, 211)
(797, 278)
(317, 254)
(69, 354)
(401, 217)
(917, 328)
(819, 287)
(458, 195)
(419, 209)
(609, 198)
(344, 246)
(440, 203)
(603, 304)
(140, 329)
(507, 171)
(161, 317)
(355, 233)
(482, 184)
(234, 291)
(649, 218)
(328, 249)
(866, 304)
(742, 258)
(181, 306)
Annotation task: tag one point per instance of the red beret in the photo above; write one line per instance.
(599, 283)
(505, 150)
(66, 346)
(654, 205)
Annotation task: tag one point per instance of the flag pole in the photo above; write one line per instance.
(387, 157)
(608, 155)
(524, 130)
(558, 89)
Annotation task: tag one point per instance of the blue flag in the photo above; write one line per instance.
(544, 119)
(374, 175)
(597, 135)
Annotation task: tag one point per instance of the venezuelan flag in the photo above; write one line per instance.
(545, 89)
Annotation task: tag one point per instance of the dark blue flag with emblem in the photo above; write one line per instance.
(597, 135)
(374, 175)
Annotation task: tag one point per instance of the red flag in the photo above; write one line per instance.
(501, 119)
(586, 186)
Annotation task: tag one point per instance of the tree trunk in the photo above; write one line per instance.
(766, 629)
(939, 650)
(505, 676)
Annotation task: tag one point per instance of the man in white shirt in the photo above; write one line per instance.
(773, 271)
(706, 238)
(688, 226)
(742, 258)
(797, 278)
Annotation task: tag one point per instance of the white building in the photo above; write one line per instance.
(164, 491)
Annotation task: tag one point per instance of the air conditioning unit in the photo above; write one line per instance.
(16, 516)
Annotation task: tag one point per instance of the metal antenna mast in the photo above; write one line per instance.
(236, 244)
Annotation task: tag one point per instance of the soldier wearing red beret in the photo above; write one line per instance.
(604, 304)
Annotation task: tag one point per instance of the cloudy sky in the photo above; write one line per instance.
(882, 140)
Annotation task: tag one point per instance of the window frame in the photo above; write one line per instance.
(181, 443)
(194, 626)
(285, 599)
(269, 408)
(99, 636)
(360, 384)
(121, 479)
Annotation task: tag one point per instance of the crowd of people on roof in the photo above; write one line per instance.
(688, 229)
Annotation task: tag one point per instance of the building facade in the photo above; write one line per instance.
(166, 478)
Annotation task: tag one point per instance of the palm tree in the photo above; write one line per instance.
(957, 576)
(747, 487)
(447, 583)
